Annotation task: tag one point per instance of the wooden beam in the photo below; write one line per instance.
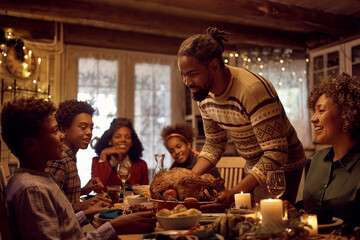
(127, 19)
(267, 14)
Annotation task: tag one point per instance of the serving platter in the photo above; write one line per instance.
(171, 204)
(180, 233)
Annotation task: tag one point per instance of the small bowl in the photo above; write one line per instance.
(138, 189)
(136, 199)
(178, 223)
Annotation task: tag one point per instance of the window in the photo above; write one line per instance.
(98, 86)
(140, 86)
(152, 108)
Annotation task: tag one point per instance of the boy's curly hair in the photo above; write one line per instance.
(69, 109)
(344, 91)
(22, 118)
(182, 128)
(135, 152)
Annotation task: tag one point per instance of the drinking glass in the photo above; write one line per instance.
(275, 183)
(159, 160)
(123, 172)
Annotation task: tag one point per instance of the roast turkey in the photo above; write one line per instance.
(186, 183)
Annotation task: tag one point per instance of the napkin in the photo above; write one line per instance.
(111, 213)
(89, 196)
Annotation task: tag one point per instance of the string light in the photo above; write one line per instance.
(236, 55)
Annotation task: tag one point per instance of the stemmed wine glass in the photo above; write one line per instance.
(123, 172)
(275, 183)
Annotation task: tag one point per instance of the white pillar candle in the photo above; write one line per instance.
(310, 220)
(271, 211)
(243, 200)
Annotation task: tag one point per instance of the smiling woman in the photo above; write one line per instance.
(119, 145)
(333, 178)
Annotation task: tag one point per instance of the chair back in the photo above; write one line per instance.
(231, 170)
(5, 233)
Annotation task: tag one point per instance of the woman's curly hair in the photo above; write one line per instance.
(344, 91)
(184, 129)
(135, 152)
(22, 118)
(205, 47)
(69, 109)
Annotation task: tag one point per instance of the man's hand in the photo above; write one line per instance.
(96, 208)
(139, 222)
(94, 184)
(222, 202)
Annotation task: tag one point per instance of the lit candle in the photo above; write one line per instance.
(271, 211)
(243, 200)
(310, 220)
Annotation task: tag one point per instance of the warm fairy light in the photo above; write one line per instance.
(5, 54)
(236, 55)
(49, 96)
(28, 74)
(300, 79)
(39, 60)
(245, 59)
(226, 60)
(261, 66)
(25, 65)
(231, 54)
(304, 71)
(281, 61)
(280, 83)
(249, 60)
(26, 56)
(293, 73)
(307, 60)
(283, 69)
(39, 89)
(260, 73)
(24, 47)
(34, 81)
(259, 59)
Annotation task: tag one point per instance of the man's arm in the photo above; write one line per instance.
(202, 166)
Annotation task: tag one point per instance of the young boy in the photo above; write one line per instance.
(35, 205)
(75, 122)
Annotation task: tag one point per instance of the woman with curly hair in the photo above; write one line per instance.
(334, 175)
(177, 140)
(119, 143)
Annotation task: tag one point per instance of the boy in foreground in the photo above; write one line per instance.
(35, 205)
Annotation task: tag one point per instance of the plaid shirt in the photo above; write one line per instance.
(66, 173)
(38, 209)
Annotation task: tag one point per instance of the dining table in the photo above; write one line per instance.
(323, 233)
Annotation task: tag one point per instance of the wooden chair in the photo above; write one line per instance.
(231, 170)
(5, 233)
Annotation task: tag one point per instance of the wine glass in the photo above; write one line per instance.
(123, 172)
(275, 183)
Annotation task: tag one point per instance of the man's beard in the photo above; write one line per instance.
(201, 94)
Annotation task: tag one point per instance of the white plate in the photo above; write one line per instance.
(336, 222)
(96, 216)
(207, 218)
